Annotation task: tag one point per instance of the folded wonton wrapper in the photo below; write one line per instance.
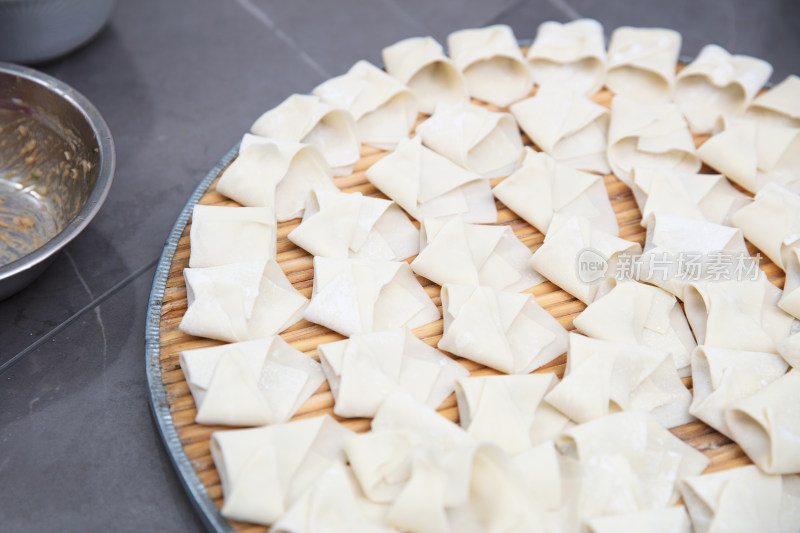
(790, 299)
(365, 368)
(662, 520)
(360, 296)
(653, 136)
(509, 410)
(264, 470)
(341, 225)
(790, 503)
(672, 242)
(223, 235)
(626, 462)
(474, 254)
(249, 383)
(431, 431)
(482, 141)
(569, 243)
(708, 197)
(276, 174)
(604, 377)
(428, 185)
(740, 315)
(332, 503)
(722, 376)
(779, 105)
(570, 55)
(385, 109)
(642, 62)
(754, 153)
(402, 427)
(767, 427)
(718, 84)
(543, 187)
(741, 499)
(435, 474)
(471, 490)
(381, 459)
(502, 330)
(240, 301)
(541, 469)
(772, 222)
(420, 63)
(638, 313)
(566, 125)
(304, 118)
(789, 349)
(492, 63)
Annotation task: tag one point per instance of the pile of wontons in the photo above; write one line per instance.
(532, 453)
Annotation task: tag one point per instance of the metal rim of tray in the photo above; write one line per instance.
(209, 513)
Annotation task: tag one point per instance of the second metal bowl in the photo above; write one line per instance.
(34, 31)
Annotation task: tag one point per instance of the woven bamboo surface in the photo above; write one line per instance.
(306, 336)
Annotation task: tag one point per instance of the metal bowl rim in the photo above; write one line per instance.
(105, 174)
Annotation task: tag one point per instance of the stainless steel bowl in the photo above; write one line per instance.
(56, 167)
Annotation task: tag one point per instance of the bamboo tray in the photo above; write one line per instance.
(172, 403)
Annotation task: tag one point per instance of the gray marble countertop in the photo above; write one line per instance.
(178, 82)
